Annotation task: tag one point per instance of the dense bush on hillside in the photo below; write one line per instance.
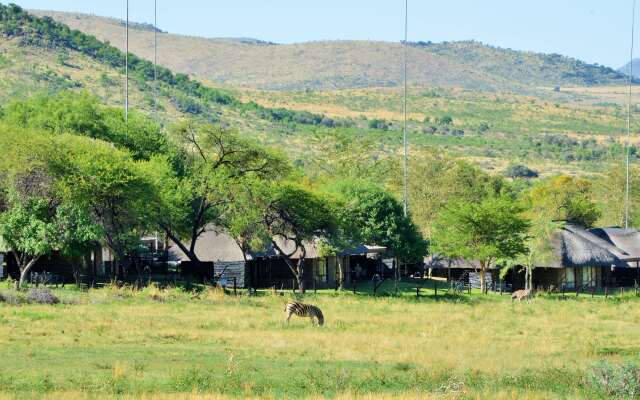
(45, 32)
(520, 171)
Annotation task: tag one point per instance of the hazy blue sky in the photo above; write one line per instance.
(596, 31)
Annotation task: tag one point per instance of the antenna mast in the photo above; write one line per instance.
(155, 58)
(406, 177)
(126, 70)
(628, 143)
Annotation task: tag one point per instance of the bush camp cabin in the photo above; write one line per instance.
(583, 259)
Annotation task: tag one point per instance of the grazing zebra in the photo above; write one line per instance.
(521, 294)
(304, 310)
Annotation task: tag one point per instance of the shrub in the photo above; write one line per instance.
(380, 124)
(9, 298)
(520, 171)
(621, 381)
(444, 120)
(42, 296)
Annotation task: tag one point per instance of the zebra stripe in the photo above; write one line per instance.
(303, 310)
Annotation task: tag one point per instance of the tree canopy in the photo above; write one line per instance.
(485, 232)
(369, 215)
(564, 198)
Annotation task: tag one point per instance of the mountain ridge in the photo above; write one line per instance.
(319, 65)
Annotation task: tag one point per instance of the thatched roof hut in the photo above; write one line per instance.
(215, 246)
(599, 247)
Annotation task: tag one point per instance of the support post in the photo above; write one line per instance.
(418, 291)
(235, 286)
(435, 288)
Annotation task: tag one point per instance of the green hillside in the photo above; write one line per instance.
(347, 64)
(557, 131)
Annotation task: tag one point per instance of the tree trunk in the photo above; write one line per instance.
(483, 282)
(340, 273)
(25, 270)
(300, 275)
(190, 253)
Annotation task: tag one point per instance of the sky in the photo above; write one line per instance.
(596, 31)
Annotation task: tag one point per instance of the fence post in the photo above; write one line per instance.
(354, 286)
(577, 291)
(435, 288)
(235, 286)
(593, 291)
(606, 292)
(314, 285)
(621, 291)
(418, 291)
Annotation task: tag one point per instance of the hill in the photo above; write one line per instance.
(346, 64)
(570, 130)
(625, 69)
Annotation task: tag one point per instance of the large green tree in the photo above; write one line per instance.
(298, 217)
(486, 231)
(564, 198)
(367, 214)
(609, 195)
(114, 189)
(82, 114)
(208, 165)
(35, 216)
(437, 180)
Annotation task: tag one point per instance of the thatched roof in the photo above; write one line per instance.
(439, 261)
(627, 240)
(579, 247)
(211, 246)
(575, 246)
(214, 245)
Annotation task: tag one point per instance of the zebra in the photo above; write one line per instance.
(521, 294)
(303, 310)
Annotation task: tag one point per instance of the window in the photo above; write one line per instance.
(570, 277)
(587, 276)
(321, 270)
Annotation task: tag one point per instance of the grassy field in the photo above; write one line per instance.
(157, 344)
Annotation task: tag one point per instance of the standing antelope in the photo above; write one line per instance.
(521, 294)
(304, 310)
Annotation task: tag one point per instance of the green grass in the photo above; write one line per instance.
(111, 342)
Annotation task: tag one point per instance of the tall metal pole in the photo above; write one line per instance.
(126, 70)
(155, 59)
(628, 143)
(406, 155)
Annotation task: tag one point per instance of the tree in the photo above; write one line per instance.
(564, 198)
(114, 189)
(208, 163)
(367, 214)
(609, 196)
(35, 218)
(445, 180)
(486, 231)
(242, 216)
(82, 114)
(519, 171)
(540, 250)
(298, 217)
